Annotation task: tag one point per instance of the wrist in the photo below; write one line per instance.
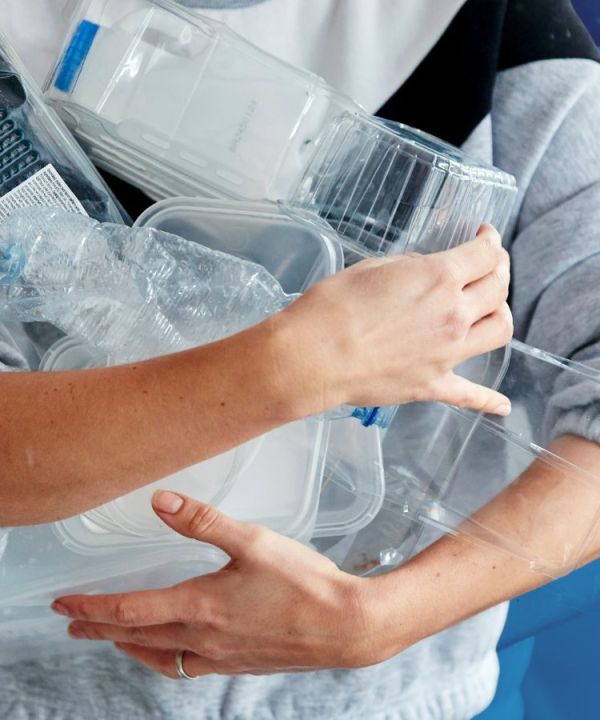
(391, 610)
(301, 370)
(372, 633)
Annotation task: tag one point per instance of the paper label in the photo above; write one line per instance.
(44, 189)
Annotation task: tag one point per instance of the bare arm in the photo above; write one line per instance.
(70, 441)
(455, 579)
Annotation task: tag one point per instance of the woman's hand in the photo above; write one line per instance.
(392, 330)
(277, 606)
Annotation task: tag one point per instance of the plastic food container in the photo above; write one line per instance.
(386, 187)
(218, 225)
(178, 104)
(275, 480)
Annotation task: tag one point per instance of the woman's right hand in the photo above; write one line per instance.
(392, 330)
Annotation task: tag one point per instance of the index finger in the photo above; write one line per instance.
(148, 607)
(476, 258)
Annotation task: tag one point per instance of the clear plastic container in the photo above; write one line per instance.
(180, 105)
(500, 481)
(354, 461)
(386, 187)
(40, 163)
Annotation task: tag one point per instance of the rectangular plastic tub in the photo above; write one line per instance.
(353, 453)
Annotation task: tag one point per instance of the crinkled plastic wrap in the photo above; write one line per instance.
(130, 293)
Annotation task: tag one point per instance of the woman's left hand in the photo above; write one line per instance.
(276, 607)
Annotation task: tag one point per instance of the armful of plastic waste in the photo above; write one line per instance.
(346, 621)
(137, 295)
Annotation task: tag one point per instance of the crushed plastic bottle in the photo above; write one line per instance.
(133, 293)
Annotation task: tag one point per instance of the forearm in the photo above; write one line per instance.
(73, 440)
(455, 578)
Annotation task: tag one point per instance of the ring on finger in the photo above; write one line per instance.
(181, 673)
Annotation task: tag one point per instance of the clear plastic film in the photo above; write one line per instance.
(509, 483)
(121, 294)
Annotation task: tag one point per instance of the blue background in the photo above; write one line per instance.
(590, 12)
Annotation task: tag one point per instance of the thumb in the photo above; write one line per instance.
(202, 522)
(466, 394)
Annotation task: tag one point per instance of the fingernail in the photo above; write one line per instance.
(167, 502)
(503, 409)
(76, 632)
(60, 609)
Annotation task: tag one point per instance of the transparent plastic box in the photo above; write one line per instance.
(386, 187)
(276, 479)
(179, 105)
(353, 453)
(504, 482)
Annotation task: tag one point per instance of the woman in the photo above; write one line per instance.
(516, 82)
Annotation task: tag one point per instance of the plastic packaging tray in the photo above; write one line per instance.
(386, 187)
(179, 105)
(447, 470)
(35, 142)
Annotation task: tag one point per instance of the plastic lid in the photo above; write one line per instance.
(71, 354)
(294, 246)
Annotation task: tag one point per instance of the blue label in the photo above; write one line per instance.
(75, 55)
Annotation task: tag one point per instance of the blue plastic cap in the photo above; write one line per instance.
(75, 55)
(380, 416)
(12, 262)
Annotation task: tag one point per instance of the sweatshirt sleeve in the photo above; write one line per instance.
(546, 128)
